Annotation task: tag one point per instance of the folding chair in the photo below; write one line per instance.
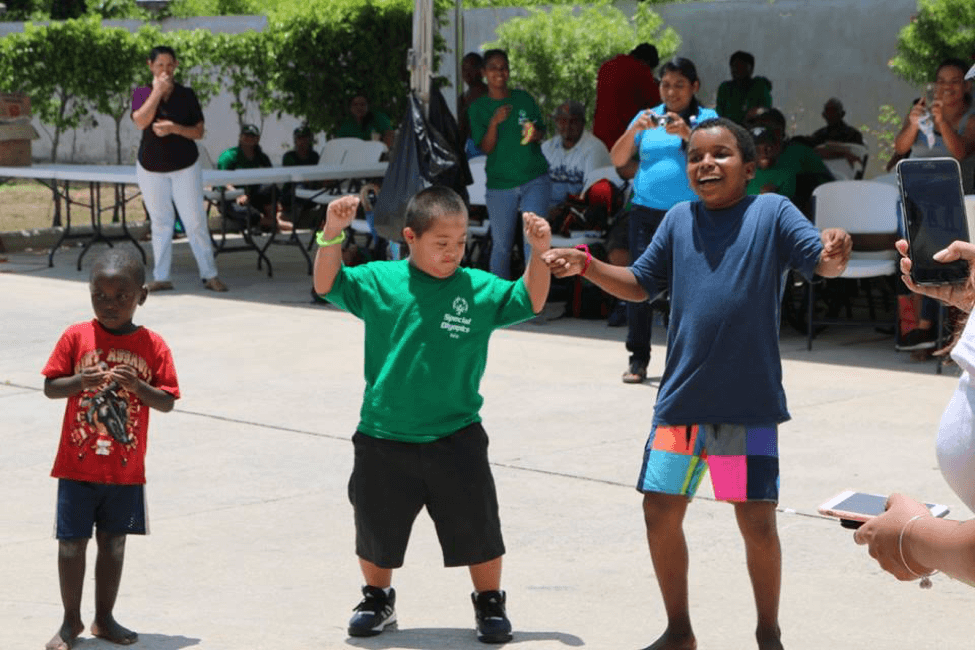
(478, 234)
(869, 212)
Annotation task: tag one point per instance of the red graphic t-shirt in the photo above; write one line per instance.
(103, 437)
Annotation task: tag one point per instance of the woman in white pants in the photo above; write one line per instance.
(168, 169)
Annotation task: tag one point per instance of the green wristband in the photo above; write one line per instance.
(322, 242)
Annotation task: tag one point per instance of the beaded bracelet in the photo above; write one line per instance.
(585, 267)
(322, 242)
(925, 579)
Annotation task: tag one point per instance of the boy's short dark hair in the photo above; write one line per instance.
(433, 202)
(161, 49)
(490, 54)
(119, 260)
(746, 146)
(744, 57)
(474, 58)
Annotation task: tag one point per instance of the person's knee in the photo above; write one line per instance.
(663, 512)
(112, 544)
(757, 522)
(70, 549)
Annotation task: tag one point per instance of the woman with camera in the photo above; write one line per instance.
(652, 152)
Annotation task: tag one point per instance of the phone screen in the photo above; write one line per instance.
(934, 216)
(866, 504)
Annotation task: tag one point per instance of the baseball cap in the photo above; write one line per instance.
(761, 134)
(250, 129)
(302, 132)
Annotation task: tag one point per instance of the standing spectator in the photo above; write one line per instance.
(656, 153)
(950, 121)
(624, 85)
(302, 154)
(507, 125)
(472, 70)
(739, 96)
(364, 123)
(260, 198)
(168, 169)
(573, 153)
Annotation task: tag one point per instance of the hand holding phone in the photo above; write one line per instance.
(933, 211)
(855, 508)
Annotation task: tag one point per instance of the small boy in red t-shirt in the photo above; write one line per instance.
(112, 372)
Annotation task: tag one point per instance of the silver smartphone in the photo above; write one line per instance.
(854, 508)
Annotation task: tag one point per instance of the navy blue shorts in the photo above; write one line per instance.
(115, 509)
(393, 481)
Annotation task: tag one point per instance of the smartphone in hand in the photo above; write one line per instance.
(854, 508)
(933, 213)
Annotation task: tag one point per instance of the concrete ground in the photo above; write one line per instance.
(252, 533)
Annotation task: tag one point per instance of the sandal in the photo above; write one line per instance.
(159, 285)
(214, 284)
(635, 374)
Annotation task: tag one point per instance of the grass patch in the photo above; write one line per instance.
(27, 205)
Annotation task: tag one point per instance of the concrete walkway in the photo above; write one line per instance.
(252, 534)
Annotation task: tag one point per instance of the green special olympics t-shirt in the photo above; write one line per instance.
(511, 164)
(426, 343)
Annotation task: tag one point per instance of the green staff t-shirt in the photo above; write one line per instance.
(511, 164)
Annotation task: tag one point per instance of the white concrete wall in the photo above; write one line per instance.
(810, 49)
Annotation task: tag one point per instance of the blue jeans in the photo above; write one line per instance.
(504, 208)
(643, 224)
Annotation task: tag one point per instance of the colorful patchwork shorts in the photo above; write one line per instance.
(744, 461)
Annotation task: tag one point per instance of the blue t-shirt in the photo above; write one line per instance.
(661, 181)
(725, 270)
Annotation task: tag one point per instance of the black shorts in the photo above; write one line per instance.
(115, 509)
(392, 481)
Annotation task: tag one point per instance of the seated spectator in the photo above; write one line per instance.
(784, 167)
(364, 123)
(739, 96)
(472, 71)
(829, 141)
(625, 85)
(572, 154)
(257, 198)
(302, 154)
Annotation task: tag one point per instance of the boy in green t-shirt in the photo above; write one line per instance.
(419, 441)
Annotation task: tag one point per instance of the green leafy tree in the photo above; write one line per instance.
(940, 29)
(555, 55)
(323, 52)
(242, 63)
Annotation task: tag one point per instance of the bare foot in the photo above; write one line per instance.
(66, 636)
(110, 630)
(670, 641)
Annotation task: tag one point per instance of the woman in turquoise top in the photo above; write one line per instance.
(506, 124)
(653, 148)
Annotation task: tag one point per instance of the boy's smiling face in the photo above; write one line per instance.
(715, 168)
(115, 295)
(440, 249)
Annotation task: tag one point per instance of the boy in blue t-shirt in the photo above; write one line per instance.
(723, 259)
(419, 442)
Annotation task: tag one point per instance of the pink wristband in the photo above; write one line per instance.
(585, 267)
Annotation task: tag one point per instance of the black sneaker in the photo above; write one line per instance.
(636, 373)
(493, 625)
(918, 339)
(374, 613)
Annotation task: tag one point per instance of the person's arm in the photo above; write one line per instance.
(905, 138)
(908, 542)
(128, 378)
(168, 127)
(958, 145)
(490, 139)
(328, 260)
(537, 277)
(624, 151)
(617, 280)
(70, 385)
(837, 246)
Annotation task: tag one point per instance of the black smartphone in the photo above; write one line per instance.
(934, 216)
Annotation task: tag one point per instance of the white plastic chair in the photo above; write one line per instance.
(334, 150)
(860, 208)
(841, 167)
(478, 234)
(477, 190)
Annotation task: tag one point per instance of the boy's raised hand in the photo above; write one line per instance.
(538, 232)
(340, 214)
(563, 262)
